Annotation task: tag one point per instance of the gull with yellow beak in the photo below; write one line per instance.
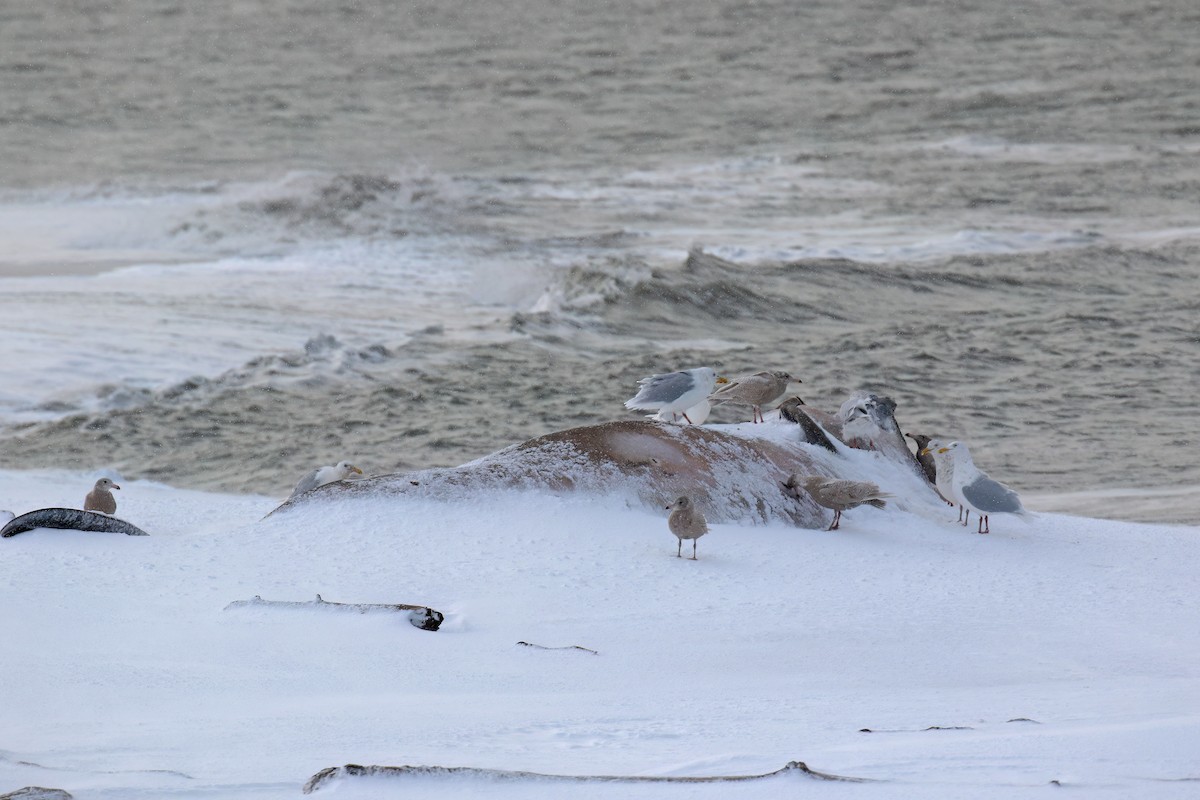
(974, 490)
(319, 477)
(677, 394)
(944, 473)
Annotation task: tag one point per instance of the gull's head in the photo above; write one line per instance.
(707, 374)
(806, 482)
(954, 450)
(934, 447)
(346, 468)
(922, 441)
(683, 502)
(106, 484)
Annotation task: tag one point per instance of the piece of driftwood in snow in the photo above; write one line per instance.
(423, 617)
(915, 730)
(331, 774)
(567, 647)
(37, 793)
(72, 519)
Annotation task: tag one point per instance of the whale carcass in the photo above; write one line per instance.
(733, 473)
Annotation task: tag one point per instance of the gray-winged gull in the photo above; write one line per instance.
(100, 498)
(677, 394)
(976, 491)
(757, 390)
(839, 495)
(319, 477)
(686, 522)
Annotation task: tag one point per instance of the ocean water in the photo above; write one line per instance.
(241, 239)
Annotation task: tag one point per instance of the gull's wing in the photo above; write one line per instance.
(991, 496)
(309, 482)
(660, 389)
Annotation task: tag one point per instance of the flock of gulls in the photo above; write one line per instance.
(690, 394)
(687, 397)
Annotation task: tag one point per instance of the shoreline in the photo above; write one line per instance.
(1139, 506)
(66, 265)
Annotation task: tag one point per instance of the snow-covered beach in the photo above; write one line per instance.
(1063, 650)
(242, 240)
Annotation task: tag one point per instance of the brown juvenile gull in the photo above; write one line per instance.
(794, 410)
(319, 477)
(979, 493)
(923, 458)
(675, 394)
(839, 495)
(757, 390)
(100, 498)
(686, 522)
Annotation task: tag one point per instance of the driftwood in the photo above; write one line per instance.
(72, 519)
(423, 617)
(37, 793)
(356, 770)
(915, 730)
(567, 647)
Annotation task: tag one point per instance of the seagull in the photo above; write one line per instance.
(757, 390)
(319, 477)
(675, 394)
(868, 420)
(100, 498)
(976, 491)
(840, 495)
(925, 459)
(943, 477)
(686, 522)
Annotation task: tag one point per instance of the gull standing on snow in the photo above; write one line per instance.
(319, 477)
(944, 477)
(839, 495)
(100, 498)
(976, 491)
(757, 390)
(677, 394)
(686, 522)
(939, 464)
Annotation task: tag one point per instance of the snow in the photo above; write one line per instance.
(1061, 650)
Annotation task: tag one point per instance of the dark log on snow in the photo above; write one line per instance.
(566, 647)
(333, 774)
(72, 519)
(423, 617)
